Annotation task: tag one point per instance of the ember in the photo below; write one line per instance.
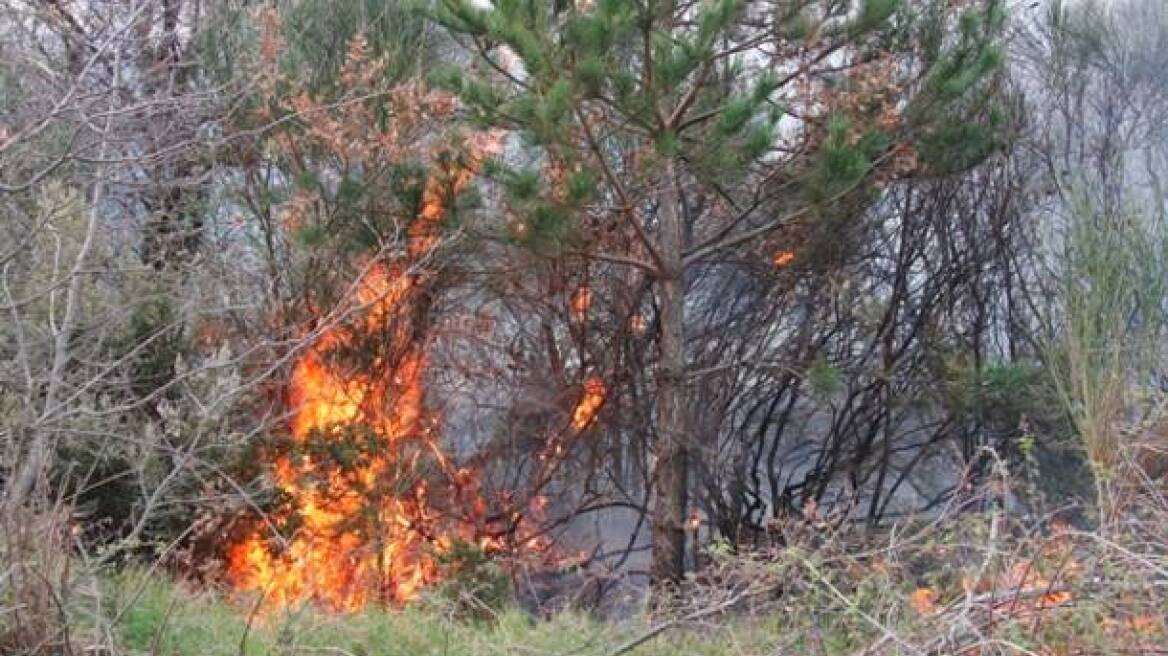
(589, 405)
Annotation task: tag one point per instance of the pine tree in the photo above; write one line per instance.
(786, 112)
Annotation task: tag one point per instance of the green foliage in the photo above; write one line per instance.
(956, 116)
(155, 341)
(318, 33)
(735, 115)
(954, 147)
(872, 16)
(570, 57)
(310, 237)
(1111, 274)
(475, 586)
(522, 184)
(1000, 392)
(581, 186)
(796, 27)
(823, 379)
(550, 224)
(667, 144)
(843, 160)
(407, 182)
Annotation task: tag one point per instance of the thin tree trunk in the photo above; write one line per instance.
(36, 460)
(672, 428)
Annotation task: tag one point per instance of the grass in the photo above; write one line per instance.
(173, 619)
(1036, 600)
(975, 583)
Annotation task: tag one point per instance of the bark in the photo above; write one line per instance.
(668, 528)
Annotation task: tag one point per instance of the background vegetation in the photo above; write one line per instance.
(710, 326)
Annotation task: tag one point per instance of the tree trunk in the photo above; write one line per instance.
(37, 460)
(671, 448)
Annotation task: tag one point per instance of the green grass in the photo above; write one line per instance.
(175, 620)
(829, 602)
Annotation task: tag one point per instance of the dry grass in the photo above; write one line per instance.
(969, 581)
(36, 577)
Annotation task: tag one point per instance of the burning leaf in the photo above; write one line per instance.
(924, 601)
(580, 302)
(638, 325)
(783, 258)
(1056, 598)
(590, 404)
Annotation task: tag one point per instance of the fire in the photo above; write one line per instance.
(353, 473)
(694, 522)
(589, 405)
(638, 324)
(924, 601)
(783, 258)
(373, 500)
(580, 302)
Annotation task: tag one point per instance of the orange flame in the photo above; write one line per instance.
(638, 324)
(924, 601)
(590, 404)
(362, 463)
(580, 302)
(351, 470)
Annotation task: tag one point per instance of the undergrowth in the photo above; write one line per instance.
(178, 620)
(977, 583)
(977, 578)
